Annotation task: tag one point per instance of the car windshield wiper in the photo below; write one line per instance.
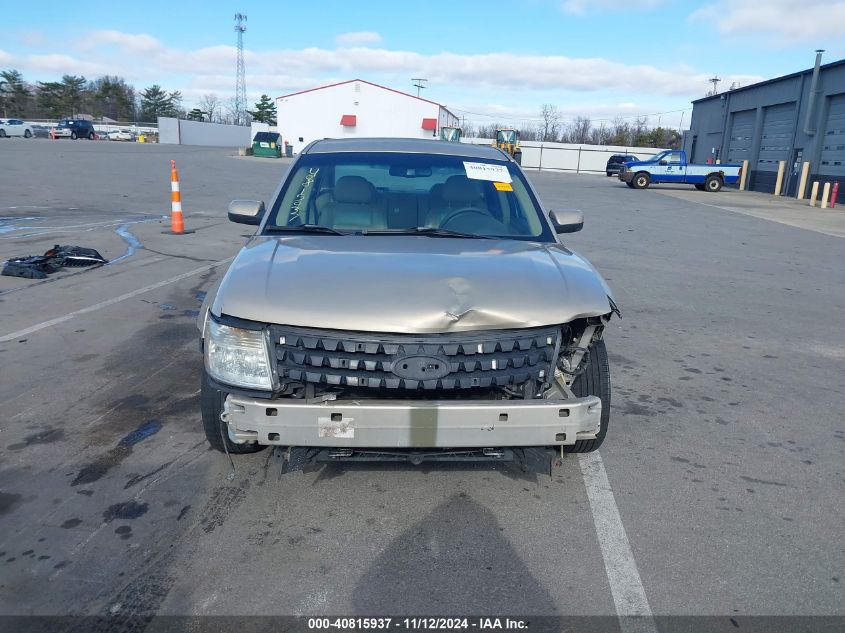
(302, 228)
(424, 230)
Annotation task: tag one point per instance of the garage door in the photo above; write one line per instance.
(739, 144)
(778, 130)
(833, 143)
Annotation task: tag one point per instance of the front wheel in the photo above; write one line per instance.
(91, 136)
(713, 184)
(641, 180)
(73, 136)
(27, 134)
(594, 381)
(211, 403)
(2, 133)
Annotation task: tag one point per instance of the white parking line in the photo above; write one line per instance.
(108, 302)
(627, 590)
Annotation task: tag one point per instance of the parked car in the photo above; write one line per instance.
(405, 299)
(14, 127)
(615, 162)
(671, 166)
(121, 135)
(41, 131)
(75, 128)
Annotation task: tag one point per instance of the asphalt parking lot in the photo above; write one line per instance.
(724, 461)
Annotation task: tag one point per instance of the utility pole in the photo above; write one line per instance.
(240, 79)
(715, 81)
(420, 83)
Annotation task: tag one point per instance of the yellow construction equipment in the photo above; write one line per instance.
(452, 134)
(507, 140)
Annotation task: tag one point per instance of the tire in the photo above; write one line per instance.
(211, 402)
(713, 183)
(594, 381)
(609, 174)
(641, 180)
(2, 133)
(700, 187)
(517, 156)
(91, 136)
(27, 134)
(73, 136)
(630, 184)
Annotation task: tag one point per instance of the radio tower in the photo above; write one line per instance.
(240, 81)
(715, 81)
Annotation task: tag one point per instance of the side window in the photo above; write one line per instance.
(673, 158)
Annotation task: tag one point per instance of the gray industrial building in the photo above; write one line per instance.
(794, 118)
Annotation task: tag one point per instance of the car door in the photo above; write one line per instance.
(675, 168)
(658, 167)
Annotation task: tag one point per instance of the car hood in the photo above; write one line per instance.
(408, 284)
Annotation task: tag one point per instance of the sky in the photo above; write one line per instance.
(490, 61)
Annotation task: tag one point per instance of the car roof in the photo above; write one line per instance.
(410, 145)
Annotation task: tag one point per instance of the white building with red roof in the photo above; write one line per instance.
(357, 108)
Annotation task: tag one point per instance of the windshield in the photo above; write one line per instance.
(392, 192)
(507, 136)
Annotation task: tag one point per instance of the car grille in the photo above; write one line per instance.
(467, 360)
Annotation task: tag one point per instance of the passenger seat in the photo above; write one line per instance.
(354, 205)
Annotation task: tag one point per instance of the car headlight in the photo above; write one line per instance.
(236, 356)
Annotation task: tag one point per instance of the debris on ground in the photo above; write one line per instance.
(39, 266)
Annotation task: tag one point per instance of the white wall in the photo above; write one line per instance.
(182, 132)
(316, 114)
(568, 156)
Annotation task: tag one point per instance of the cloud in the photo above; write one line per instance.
(145, 60)
(136, 42)
(32, 37)
(357, 38)
(783, 22)
(582, 7)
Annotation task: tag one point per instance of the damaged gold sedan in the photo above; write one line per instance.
(405, 299)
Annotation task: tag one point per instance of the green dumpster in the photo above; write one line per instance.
(266, 144)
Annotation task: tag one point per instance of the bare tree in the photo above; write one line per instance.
(580, 129)
(210, 105)
(639, 130)
(620, 132)
(550, 127)
(600, 135)
(232, 114)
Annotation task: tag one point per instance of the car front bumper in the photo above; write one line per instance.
(412, 423)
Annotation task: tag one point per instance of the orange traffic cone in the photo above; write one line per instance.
(177, 223)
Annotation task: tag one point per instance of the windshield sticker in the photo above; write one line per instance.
(503, 186)
(486, 171)
(303, 193)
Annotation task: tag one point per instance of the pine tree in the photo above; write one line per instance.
(156, 102)
(265, 111)
(14, 93)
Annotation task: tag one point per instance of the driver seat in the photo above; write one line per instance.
(459, 192)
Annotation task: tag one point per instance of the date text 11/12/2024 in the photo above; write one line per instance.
(419, 623)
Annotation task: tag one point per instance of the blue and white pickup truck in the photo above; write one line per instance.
(671, 166)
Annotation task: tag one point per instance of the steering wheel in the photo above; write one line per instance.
(460, 212)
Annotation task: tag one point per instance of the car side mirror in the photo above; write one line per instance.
(246, 211)
(567, 221)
